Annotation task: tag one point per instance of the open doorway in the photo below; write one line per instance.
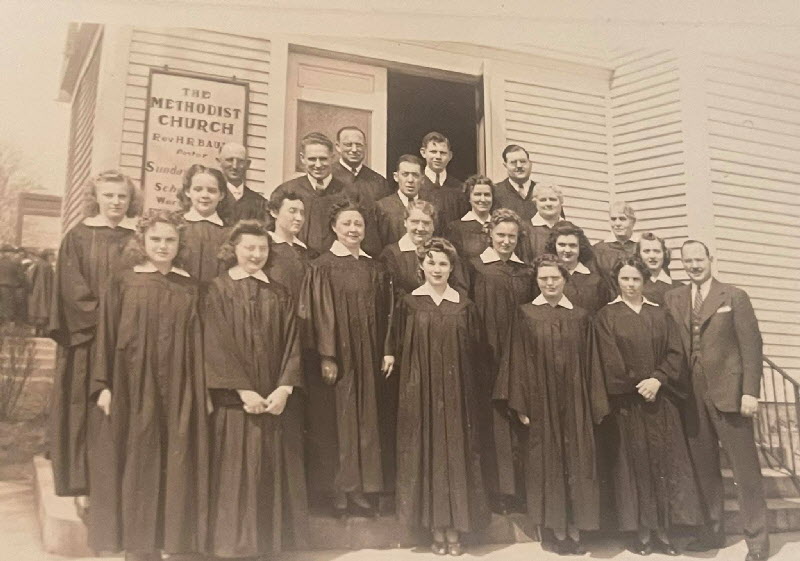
(417, 105)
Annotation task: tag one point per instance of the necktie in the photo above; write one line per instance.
(696, 309)
(320, 185)
(521, 190)
(698, 305)
(438, 180)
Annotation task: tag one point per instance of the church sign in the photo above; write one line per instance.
(188, 119)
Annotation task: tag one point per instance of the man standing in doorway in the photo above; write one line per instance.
(720, 335)
(241, 202)
(444, 191)
(515, 192)
(361, 183)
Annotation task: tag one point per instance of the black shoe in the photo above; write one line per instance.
(355, 509)
(756, 556)
(499, 505)
(640, 548)
(577, 547)
(705, 543)
(664, 547)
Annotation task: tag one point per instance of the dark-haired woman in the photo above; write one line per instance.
(640, 357)
(347, 298)
(148, 380)
(653, 251)
(468, 235)
(500, 282)
(586, 288)
(547, 381)
(90, 254)
(202, 191)
(438, 338)
(252, 359)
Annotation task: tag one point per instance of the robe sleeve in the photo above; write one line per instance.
(291, 371)
(673, 371)
(225, 367)
(389, 303)
(513, 378)
(598, 395)
(317, 307)
(383, 226)
(607, 360)
(74, 309)
(106, 344)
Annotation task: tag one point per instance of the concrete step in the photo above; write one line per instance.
(777, 484)
(783, 515)
(38, 362)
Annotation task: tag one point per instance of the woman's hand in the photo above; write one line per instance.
(388, 365)
(648, 389)
(330, 372)
(253, 402)
(276, 401)
(523, 419)
(104, 401)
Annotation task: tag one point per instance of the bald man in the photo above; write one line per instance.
(242, 203)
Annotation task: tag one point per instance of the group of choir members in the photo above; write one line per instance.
(209, 363)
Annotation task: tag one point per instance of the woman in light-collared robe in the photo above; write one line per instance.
(653, 251)
(468, 235)
(550, 206)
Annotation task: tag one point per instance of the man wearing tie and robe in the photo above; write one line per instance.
(242, 203)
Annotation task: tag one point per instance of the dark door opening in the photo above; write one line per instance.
(417, 105)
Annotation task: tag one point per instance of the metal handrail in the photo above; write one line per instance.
(777, 428)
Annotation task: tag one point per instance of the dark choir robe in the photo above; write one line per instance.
(202, 239)
(546, 374)
(367, 187)
(507, 196)
(449, 199)
(608, 252)
(498, 288)
(288, 264)
(251, 206)
(150, 355)
(402, 263)
(439, 350)
(258, 494)
(40, 283)
(348, 304)
(316, 232)
(12, 281)
(90, 254)
(390, 216)
(532, 244)
(468, 235)
(654, 289)
(588, 289)
(651, 473)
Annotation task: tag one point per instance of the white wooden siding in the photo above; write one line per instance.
(647, 143)
(753, 106)
(79, 156)
(202, 52)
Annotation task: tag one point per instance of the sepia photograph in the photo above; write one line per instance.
(378, 281)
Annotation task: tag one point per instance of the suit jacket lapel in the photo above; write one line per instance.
(715, 297)
(683, 314)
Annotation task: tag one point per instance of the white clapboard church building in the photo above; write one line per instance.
(703, 144)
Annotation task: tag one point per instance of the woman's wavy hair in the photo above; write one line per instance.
(134, 253)
(183, 198)
(438, 245)
(549, 260)
(227, 251)
(424, 206)
(475, 180)
(566, 228)
(632, 261)
(90, 206)
(343, 206)
(651, 237)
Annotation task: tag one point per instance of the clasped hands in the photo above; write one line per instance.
(254, 403)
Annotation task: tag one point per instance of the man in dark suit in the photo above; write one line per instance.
(361, 183)
(318, 189)
(515, 192)
(241, 202)
(390, 212)
(444, 191)
(721, 336)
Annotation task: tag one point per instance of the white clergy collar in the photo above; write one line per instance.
(644, 301)
(340, 250)
(430, 174)
(236, 191)
(564, 302)
(295, 240)
(98, 221)
(581, 269)
(192, 215)
(471, 216)
(537, 220)
(634, 238)
(405, 200)
(148, 267)
(450, 294)
(406, 244)
(661, 276)
(348, 167)
(238, 273)
(315, 185)
(490, 255)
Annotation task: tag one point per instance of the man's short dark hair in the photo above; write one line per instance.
(315, 138)
(514, 148)
(434, 136)
(689, 242)
(412, 159)
(349, 128)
